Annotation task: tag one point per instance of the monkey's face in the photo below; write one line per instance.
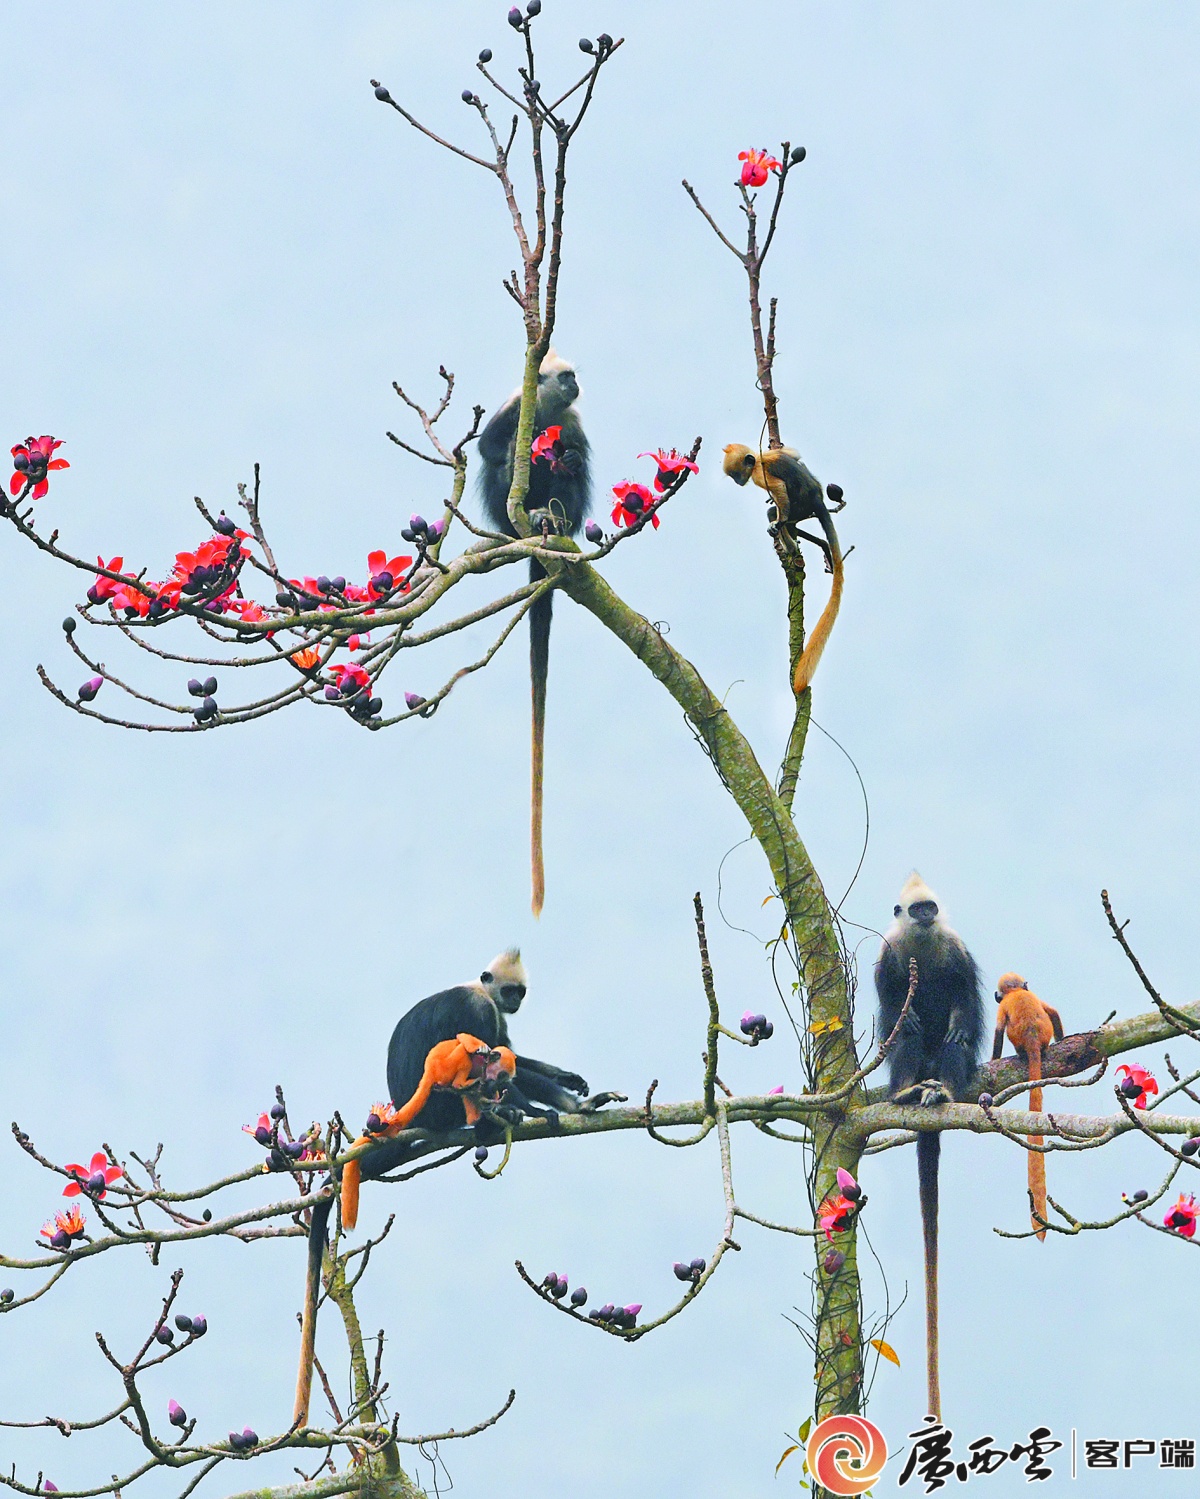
(923, 912)
(560, 389)
(507, 992)
(739, 463)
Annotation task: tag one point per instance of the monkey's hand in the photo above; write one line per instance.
(570, 462)
(600, 1100)
(957, 1033)
(926, 1095)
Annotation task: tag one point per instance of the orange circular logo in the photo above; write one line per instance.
(846, 1454)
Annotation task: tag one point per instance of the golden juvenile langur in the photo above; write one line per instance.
(797, 496)
(1030, 1024)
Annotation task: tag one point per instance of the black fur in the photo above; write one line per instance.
(562, 486)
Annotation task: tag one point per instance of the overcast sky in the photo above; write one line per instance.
(221, 250)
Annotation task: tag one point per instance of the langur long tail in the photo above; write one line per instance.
(1037, 1161)
(929, 1148)
(540, 615)
(814, 646)
(308, 1320)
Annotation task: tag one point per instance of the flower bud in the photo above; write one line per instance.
(486, 55)
(1140, 1195)
(682, 1272)
(515, 18)
(382, 94)
(534, 8)
(558, 1287)
(585, 45)
(697, 1267)
(605, 1312)
(437, 529)
(985, 1100)
(417, 523)
(89, 689)
(338, 584)
(467, 96)
(1189, 1147)
(833, 1261)
(381, 582)
(176, 1413)
(165, 1335)
(1131, 1088)
(481, 1154)
(97, 1182)
(200, 1324)
(632, 1311)
(6, 1296)
(374, 1124)
(21, 462)
(210, 686)
(263, 1135)
(578, 1297)
(835, 492)
(604, 41)
(413, 701)
(61, 1239)
(69, 624)
(593, 533)
(225, 525)
(183, 1322)
(798, 155)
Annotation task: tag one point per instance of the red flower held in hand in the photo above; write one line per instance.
(755, 167)
(545, 443)
(1137, 1085)
(669, 464)
(32, 460)
(1182, 1217)
(97, 1177)
(633, 500)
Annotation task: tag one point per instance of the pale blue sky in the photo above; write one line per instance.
(220, 249)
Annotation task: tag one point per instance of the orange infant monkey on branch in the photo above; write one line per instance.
(1031, 1024)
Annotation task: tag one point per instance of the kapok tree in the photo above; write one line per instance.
(229, 604)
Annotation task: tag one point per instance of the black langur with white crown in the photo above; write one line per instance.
(478, 1009)
(560, 488)
(935, 1055)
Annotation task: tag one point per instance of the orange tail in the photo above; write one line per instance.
(351, 1180)
(1037, 1161)
(815, 645)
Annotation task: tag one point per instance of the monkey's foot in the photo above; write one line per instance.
(926, 1095)
(600, 1100)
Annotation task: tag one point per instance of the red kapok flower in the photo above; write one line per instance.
(633, 500)
(64, 1227)
(252, 613)
(755, 167)
(261, 1131)
(545, 443)
(385, 573)
(104, 588)
(1138, 1083)
(307, 658)
(342, 675)
(669, 464)
(97, 1177)
(32, 460)
(1182, 1217)
(836, 1215)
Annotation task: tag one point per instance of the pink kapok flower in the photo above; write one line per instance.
(385, 573)
(669, 464)
(545, 443)
(1137, 1085)
(32, 461)
(836, 1214)
(633, 500)
(756, 165)
(104, 588)
(345, 675)
(773, 1091)
(97, 1177)
(1182, 1217)
(261, 1131)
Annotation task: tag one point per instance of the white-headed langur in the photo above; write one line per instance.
(934, 1057)
(478, 1012)
(797, 495)
(560, 489)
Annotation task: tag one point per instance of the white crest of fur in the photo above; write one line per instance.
(915, 888)
(506, 968)
(552, 364)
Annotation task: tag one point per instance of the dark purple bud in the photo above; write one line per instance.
(833, 1261)
(277, 1111)
(61, 1239)
(89, 689)
(413, 700)
(515, 18)
(798, 155)
(285, 599)
(381, 582)
(263, 1135)
(68, 626)
(6, 1296)
(533, 87)
(697, 1267)
(408, 533)
(558, 1287)
(766, 1030)
(249, 1437)
(1189, 1147)
(382, 94)
(21, 462)
(374, 1124)
(332, 694)
(195, 687)
(605, 1313)
(235, 1441)
(594, 1315)
(486, 55)
(682, 1272)
(467, 96)
(1140, 1195)
(437, 529)
(374, 707)
(93, 595)
(481, 1154)
(293, 1148)
(417, 523)
(593, 533)
(338, 584)
(200, 1324)
(578, 1297)
(632, 1311)
(852, 1194)
(207, 709)
(157, 608)
(225, 525)
(183, 1322)
(176, 1413)
(834, 491)
(1131, 1088)
(604, 41)
(534, 8)
(985, 1100)
(165, 1335)
(96, 1182)
(207, 1215)
(324, 584)
(586, 45)
(277, 1159)
(210, 686)
(747, 1023)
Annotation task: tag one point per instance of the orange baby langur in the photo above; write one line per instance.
(1030, 1025)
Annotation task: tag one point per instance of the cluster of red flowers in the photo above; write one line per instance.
(32, 460)
(634, 500)
(208, 573)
